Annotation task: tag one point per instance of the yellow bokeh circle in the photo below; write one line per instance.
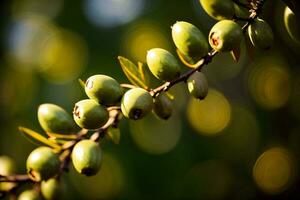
(211, 115)
(274, 170)
(142, 37)
(269, 84)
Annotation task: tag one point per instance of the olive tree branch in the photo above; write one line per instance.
(115, 111)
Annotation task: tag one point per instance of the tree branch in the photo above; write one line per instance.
(115, 111)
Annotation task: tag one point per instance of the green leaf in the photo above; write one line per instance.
(62, 136)
(132, 72)
(144, 72)
(34, 137)
(114, 134)
(82, 83)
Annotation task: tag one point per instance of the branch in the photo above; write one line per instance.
(115, 111)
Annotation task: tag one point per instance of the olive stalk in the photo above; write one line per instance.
(115, 111)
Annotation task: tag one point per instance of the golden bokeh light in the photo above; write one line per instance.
(211, 115)
(108, 183)
(142, 37)
(156, 136)
(274, 170)
(63, 57)
(269, 83)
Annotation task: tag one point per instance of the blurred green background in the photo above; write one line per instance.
(241, 142)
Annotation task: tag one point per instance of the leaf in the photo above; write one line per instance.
(114, 134)
(82, 83)
(132, 72)
(144, 74)
(34, 136)
(62, 136)
(236, 53)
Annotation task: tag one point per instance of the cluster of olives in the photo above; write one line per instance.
(226, 35)
(44, 164)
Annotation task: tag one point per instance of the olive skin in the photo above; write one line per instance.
(29, 195)
(42, 164)
(54, 119)
(218, 9)
(291, 23)
(7, 167)
(162, 64)
(197, 85)
(87, 157)
(52, 189)
(136, 103)
(260, 34)
(225, 36)
(89, 114)
(189, 40)
(163, 106)
(104, 89)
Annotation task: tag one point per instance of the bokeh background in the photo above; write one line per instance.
(241, 142)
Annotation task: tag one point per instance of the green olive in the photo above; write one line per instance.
(136, 103)
(87, 157)
(42, 164)
(54, 119)
(189, 40)
(89, 114)
(225, 36)
(52, 189)
(29, 195)
(162, 64)
(163, 106)
(291, 23)
(218, 9)
(103, 89)
(198, 85)
(260, 34)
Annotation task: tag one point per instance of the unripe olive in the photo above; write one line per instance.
(218, 9)
(29, 195)
(42, 164)
(54, 119)
(103, 89)
(7, 167)
(260, 34)
(87, 157)
(52, 189)
(291, 23)
(163, 106)
(89, 114)
(197, 85)
(162, 64)
(136, 103)
(189, 40)
(225, 36)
